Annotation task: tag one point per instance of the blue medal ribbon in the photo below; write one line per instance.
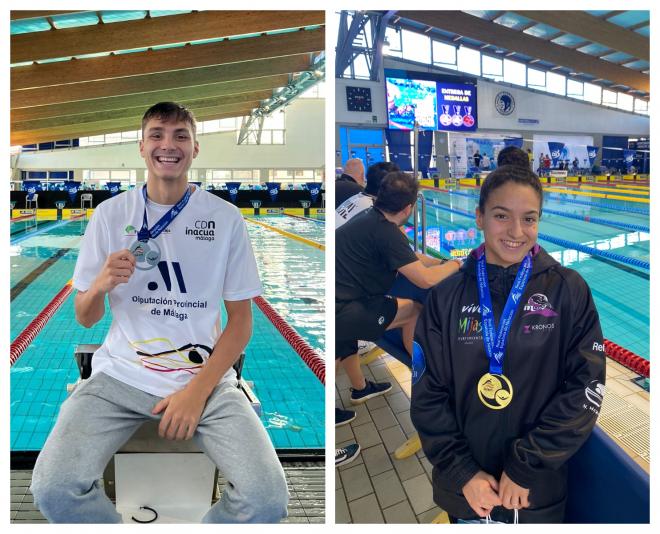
(495, 346)
(145, 233)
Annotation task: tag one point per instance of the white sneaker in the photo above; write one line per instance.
(365, 346)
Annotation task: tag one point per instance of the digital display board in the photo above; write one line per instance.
(435, 104)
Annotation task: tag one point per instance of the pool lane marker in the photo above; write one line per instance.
(288, 234)
(33, 275)
(48, 228)
(311, 358)
(317, 221)
(26, 337)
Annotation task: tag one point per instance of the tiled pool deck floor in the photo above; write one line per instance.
(306, 482)
(377, 488)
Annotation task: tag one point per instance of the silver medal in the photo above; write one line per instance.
(146, 255)
(139, 249)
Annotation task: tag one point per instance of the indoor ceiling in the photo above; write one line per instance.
(608, 48)
(83, 73)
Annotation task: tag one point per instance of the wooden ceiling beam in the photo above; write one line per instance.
(113, 126)
(150, 32)
(159, 82)
(22, 15)
(167, 60)
(97, 116)
(502, 37)
(145, 100)
(594, 29)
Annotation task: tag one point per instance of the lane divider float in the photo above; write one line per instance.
(288, 234)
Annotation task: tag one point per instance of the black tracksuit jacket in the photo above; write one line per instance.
(555, 360)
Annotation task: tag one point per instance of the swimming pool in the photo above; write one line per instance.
(292, 397)
(620, 290)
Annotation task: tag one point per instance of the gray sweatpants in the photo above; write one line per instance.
(101, 415)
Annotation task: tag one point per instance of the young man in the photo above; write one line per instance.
(370, 250)
(165, 255)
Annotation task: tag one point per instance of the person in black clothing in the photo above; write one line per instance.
(477, 160)
(501, 410)
(351, 181)
(370, 249)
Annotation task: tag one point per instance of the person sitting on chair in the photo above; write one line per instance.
(164, 357)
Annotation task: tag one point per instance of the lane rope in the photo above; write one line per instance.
(315, 363)
(290, 235)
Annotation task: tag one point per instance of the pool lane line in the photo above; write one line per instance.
(21, 238)
(591, 188)
(318, 221)
(308, 355)
(565, 242)
(25, 229)
(26, 337)
(22, 218)
(288, 234)
(33, 275)
(595, 195)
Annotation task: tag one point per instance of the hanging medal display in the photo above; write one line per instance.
(494, 389)
(445, 118)
(457, 118)
(146, 251)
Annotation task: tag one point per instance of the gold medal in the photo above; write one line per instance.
(495, 391)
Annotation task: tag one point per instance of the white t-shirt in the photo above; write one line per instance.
(351, 207)
(166, 320)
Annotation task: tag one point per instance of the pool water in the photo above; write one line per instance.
(293, 277)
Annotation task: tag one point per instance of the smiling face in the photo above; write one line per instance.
(168, 148)
(509, 223)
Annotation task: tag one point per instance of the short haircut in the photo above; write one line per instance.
(170, 111)
(376, 173)
(397, 190)
(512, 155)
(518, 174)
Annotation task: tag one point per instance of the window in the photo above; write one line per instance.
(641, 106)
(575, 89)
(444, 55)
(469, 60)
(536, 79)
(625, 102)
(416, 47)
(315, 91)
(492, 68)
(609, 97)
(394, 38)
(515, 72)
(556, 83)
(592, 93)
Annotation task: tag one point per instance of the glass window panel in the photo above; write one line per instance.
(129, 136)
(220, 175)
(416, 47)
(113, 137)
(536, 78)
(609, 97)
(592, 93)
(211, 126)
(360, 68)
(574, 89)
(625, 102)
(394, 38)
(641, 106)
(469, 60)
(278, 137)
(83, 141)
(444, 54)
(556, 83)
(515, 72)
(274, 122)
(491, 66)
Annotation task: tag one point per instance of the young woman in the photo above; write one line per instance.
(509, 366)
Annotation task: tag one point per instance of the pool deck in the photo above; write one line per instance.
(306, 482)
(377, 488)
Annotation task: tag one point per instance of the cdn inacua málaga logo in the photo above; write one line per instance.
(504, 103)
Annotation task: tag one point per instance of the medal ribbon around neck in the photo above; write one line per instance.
(494, 389)
(147, 256)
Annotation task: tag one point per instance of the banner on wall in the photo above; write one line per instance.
(72, 189)
(488, 149)
(32, 187)
(314, 189)
(592, 152)
(556, 150)
(273, 190)
(233, 188)
(113, 187)
(513, 141)
(628, 157)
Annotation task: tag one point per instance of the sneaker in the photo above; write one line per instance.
(365, 346)
(347, 454)
(343, 417)
(371, 390)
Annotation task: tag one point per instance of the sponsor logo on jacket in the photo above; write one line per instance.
(594, 393)
(538, 304)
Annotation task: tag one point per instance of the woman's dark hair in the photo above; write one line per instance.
(376, 173)
(397, 190)
(170, 111)
(510, 173)
(512, 155)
